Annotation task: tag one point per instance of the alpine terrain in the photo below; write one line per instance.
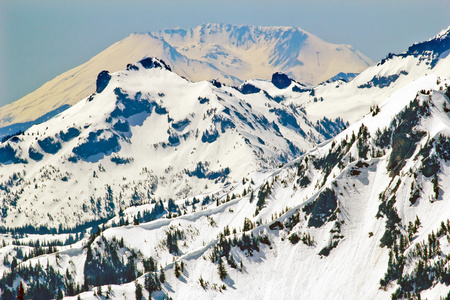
(228, 53)
(158, 187)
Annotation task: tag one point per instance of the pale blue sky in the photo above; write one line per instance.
(41, 39)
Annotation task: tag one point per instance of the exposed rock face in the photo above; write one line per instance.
(103, 79)
(150, 62)
(281, 80)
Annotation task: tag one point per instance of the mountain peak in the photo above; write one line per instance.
(442, 35)
(436, 45)
(230, 54)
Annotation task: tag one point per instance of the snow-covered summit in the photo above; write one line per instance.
(437, 44)
(247, 52)
(352, 100)
(146, 134)
(228, 53)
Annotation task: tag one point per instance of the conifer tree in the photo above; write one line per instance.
(435, 182)
(20, 292)
(60, 295)
(152, 284)
(138, 291)
(177, 270)
(182, 267)
(162, 276)
(221, 269)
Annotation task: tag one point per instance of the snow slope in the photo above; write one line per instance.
(229, 53)
(352, 100)
(147, 134)
(358, 216)
(363, 215)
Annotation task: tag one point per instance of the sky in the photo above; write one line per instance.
(42, 39)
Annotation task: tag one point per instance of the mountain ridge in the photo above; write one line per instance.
(200, 136)
(363, 197)
(297, 204)
(55, 93)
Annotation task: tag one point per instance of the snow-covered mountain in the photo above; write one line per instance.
(230, 54)
(146, 134)
(351, 100)
(198, 194)
(247, 52)
(363, 215)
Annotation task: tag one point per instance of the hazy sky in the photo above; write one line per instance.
(41, 39)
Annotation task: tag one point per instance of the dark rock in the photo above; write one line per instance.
(103, 79)
(286, 118)
(281, 80)
(203, 100)
(122, 126)
(216, 83)
(202, 172)
(8, 154)
(49, 145)
(404, 137)
(225, 123)
(150, 63)
(300, 90)
(330, 128)
(121, 160)
(34, 154)
(248, 88)
(181, 125)
(304, 181)
(430, 166)
(95, 145)
(160, 110)
(382, 81)
(132, 67)
(437, 45)
(130, 107)
(322, 209)
(70, 134)
(174, 140)
(210, 137)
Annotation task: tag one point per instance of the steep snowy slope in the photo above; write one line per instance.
(147, 133)
(352, 100)
(362, 216)
(229, 53)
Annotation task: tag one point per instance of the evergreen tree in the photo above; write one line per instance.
(177, 270)
(13, 264)
(435, 182)
(138, 291)
(108, 293)
(162, 276)
(221, 269)
(248, 224)
(151, 284)
(182, 267)
(21, 292)
(60, 295)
